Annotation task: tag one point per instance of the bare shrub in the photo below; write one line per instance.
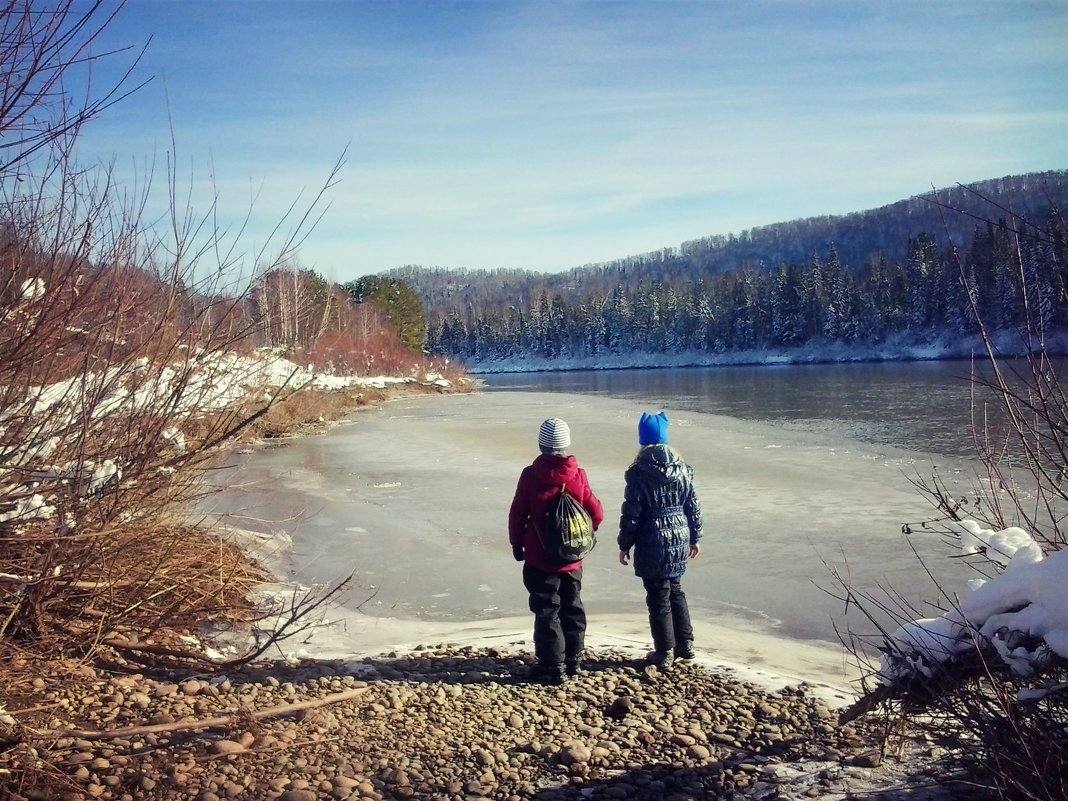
(981, 674)
(131, 352)
(316, 324)
(123, 368)
(46, 59)
(364, 343)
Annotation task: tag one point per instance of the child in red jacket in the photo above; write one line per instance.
(555, 590)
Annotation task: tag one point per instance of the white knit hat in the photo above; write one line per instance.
(554, 435)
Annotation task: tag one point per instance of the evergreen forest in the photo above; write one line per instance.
(917, 271)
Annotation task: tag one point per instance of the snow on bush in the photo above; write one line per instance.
(1021, 614)
(208, 382)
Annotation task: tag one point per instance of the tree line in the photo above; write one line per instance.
(1006, 273)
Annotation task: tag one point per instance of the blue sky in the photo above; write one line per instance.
(546, 135)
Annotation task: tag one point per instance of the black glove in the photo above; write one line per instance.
(517, 552)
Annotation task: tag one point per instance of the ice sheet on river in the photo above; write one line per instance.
(414, 495)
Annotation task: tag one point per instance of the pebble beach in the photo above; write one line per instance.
(452, 722)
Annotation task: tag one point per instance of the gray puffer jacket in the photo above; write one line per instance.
(661, 517)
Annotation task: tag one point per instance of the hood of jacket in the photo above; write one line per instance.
(659, 464)
(553, 470)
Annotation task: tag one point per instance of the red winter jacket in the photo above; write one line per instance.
(538, 485)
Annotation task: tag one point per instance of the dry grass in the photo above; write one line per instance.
(134, 583)
(312, 409)
(150, 580)
(141, 589)
(161, 583)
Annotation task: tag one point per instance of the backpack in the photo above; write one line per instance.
(566, 531)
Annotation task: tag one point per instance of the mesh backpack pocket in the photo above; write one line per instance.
(566, 531)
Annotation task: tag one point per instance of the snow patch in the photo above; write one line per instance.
(1021, 613)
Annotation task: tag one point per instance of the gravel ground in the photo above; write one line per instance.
(452, 722)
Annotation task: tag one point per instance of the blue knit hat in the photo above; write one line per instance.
(652, 429)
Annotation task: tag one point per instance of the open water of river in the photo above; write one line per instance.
(922, 406)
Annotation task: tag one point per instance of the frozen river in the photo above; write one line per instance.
(413, 496)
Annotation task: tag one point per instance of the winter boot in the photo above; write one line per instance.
(552, 675)
(684, 650)
(661, 659)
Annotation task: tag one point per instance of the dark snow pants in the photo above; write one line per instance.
(669, 614)
(559, 616)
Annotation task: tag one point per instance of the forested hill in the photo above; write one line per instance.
(853, 279)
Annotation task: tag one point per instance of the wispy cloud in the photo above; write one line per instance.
(551, 134)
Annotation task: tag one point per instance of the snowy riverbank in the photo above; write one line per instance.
(904, 347)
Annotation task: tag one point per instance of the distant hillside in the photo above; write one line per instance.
(854, 281)
(948, 215)
(858, 238)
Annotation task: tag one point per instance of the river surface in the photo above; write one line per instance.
(806, 475)
(923, 406)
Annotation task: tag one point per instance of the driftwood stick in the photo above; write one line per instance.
(30, 709)
(865, 705)
(155, 650)
(216, 722)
